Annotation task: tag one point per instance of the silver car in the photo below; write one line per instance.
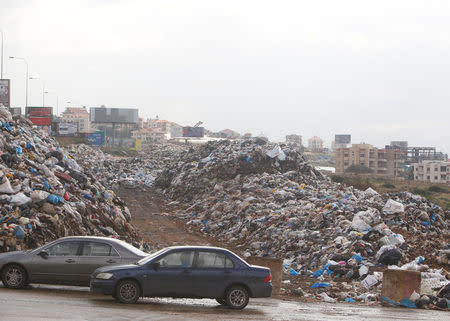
(68, 260)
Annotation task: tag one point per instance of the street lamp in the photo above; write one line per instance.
(26, 86)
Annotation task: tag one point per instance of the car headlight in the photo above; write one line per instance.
(104, 276)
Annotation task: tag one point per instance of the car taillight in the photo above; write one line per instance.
(268, 279)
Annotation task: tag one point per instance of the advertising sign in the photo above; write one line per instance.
(97, 139)
(68, 129)
(15, 110)
(40, 116)
(5, 92)
(342, 139)
(193, 131)
(41, 121)
(114, 115)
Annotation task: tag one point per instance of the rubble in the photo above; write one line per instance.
(45, 194)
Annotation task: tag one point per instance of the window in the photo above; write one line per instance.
(428, 177)
(69, 248)
(361, 155)
(98, 249)
(443, 168)
(181, 259)
(213, 260)
(435, 177)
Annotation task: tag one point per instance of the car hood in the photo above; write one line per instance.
(116, 268)
(12, 255)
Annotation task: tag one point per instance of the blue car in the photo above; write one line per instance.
(186, 272)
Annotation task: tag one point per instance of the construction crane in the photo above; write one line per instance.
(198, 124)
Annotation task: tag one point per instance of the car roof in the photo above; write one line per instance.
(86, 237)
(195, 247)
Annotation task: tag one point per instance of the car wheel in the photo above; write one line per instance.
(127, 291)
(222, 301)
(14, 276)
(237, 297)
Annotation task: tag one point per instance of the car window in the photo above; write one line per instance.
(69, 248)
(213, 260)
(98, 249)
(181, 259)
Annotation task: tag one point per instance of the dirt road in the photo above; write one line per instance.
(159, 228)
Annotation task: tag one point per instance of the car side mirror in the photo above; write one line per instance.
(155, 266)
(43, 254)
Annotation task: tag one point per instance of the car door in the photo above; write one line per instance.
(60, 266)
(173, 277)
(212, 273)
(95, 254)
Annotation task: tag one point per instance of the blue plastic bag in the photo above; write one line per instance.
(317, 285)
(19, 232)
(55, 199)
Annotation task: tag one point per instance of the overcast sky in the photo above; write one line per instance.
(379, 70)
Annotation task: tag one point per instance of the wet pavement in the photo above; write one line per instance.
(74, 303)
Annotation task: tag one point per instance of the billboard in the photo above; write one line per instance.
(97, 139)
(193, 131)
(114, 115)
(5, 92)
(15, 110)
(39, 116)
(67, 129)
(342, 139)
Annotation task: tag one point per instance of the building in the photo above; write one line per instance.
(315, 144)
(419, 154)
(432, 171)
(157, 130)
(149, 135)
(294, 140)
(168, 128)
(386, 163)
(79, 115)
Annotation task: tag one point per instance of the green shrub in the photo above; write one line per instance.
(436, 189)
(386, 185)
(337, 179)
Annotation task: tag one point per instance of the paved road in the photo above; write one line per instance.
(72, 303)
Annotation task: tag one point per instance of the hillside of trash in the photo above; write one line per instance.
(265, 199)
(45, 194)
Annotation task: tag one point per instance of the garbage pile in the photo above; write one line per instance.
(266, 200)
(45, 194)
(130, 172)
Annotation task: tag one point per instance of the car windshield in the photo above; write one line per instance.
(150, 257)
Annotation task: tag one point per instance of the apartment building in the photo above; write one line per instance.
(78, 115)
(432, 171)
(315, 144)
(383, 162)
